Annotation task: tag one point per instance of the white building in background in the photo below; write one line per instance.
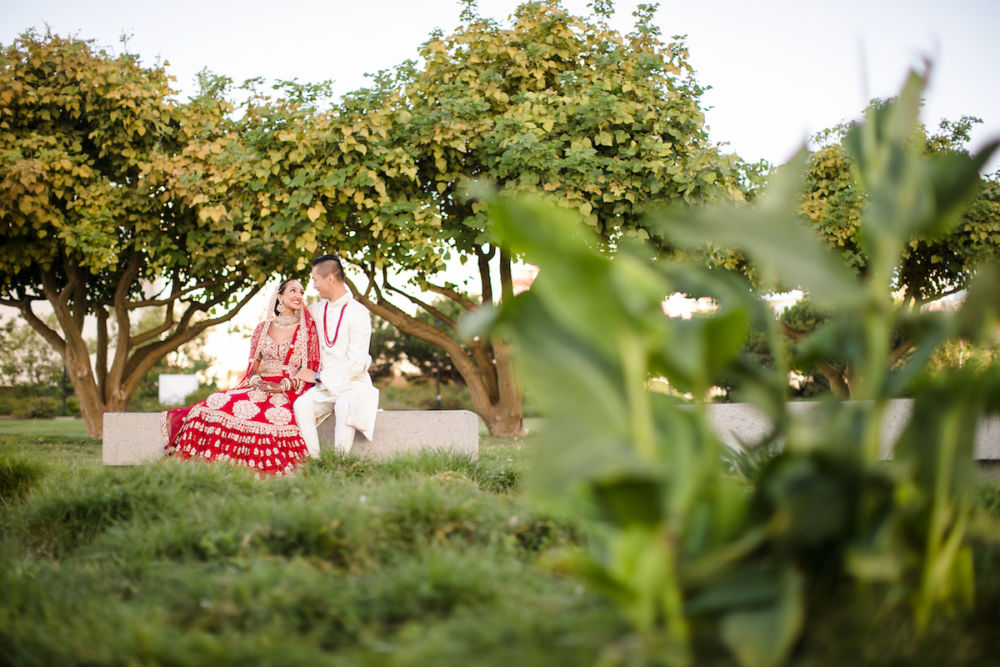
(174, 388)
(522, 275)
(684, 307)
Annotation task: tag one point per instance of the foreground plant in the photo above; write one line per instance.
(686, 551)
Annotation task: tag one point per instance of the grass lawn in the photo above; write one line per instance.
(431, 560)
(69, 428)
(423, 561)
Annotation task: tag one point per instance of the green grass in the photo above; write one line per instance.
(69, 428)
(422, 560)
(419, 561)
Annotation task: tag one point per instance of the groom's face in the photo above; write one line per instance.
(323, 284)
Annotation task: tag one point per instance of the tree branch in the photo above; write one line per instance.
(475, 378)
(839, 384)
(174, 296)
(428, 308)
(145, 357)
(401, 319)
(150, 334)
(59, 298)
(900, 351)
(80, 301)
(794, 334)
(50, 335)
(937, 297)
(454, 295)
(120, 305)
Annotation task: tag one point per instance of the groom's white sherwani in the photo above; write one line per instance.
(345, 388)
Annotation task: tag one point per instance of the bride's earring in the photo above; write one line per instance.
(280, 307)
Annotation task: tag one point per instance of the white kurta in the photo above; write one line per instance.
(344, 327)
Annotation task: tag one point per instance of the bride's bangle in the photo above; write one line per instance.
(286, 384)
(255, 381)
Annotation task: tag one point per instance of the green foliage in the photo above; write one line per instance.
(422, 394)
(932, 263)
(416, 561)
(686, 551)
(190, 358)
(748, 462)
(31, 375)
(959, 353)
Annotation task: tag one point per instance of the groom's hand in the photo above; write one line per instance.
(306, 375)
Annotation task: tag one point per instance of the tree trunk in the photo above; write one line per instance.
(501, 412)
(87, 393)
(840, 381)
(507, 416)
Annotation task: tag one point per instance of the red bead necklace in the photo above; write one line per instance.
(326, 328)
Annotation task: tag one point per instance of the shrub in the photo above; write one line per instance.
(36, 407)
(18, 476)
(687, 551)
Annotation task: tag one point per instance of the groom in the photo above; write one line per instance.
(342, 385)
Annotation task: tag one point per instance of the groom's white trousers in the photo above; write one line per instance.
(315, 405)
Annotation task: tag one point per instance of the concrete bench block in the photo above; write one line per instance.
(412, 431)
(736, 423)
(133, 438)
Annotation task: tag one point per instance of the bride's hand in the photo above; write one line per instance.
(305, 375)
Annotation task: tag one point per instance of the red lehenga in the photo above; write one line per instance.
(246, 425)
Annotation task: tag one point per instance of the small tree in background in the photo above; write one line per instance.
(26, 362)
(109, 205)
(930, 267)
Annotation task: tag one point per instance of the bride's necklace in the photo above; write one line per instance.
(286, 321)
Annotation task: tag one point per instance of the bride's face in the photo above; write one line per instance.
(291, 296)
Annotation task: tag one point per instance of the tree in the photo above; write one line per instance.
(931, 266)
(110, 204)
(595, 120)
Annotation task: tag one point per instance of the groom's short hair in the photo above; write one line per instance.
(327, 264)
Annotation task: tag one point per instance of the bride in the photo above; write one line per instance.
(253, 424)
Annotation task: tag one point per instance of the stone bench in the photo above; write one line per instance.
(133, 438)
(734, 423)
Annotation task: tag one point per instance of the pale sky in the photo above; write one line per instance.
(780, 70)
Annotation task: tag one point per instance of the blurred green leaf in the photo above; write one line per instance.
(763, 635)
(628, 500)
(979, 316)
